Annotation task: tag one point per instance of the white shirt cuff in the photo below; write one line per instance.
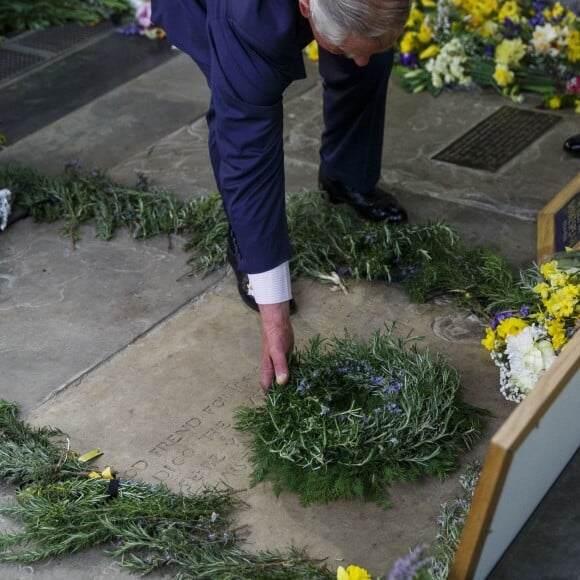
(273, 286)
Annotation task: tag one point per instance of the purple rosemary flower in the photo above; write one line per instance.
(394, 408)
(524, 310)
(212, 536)
(407, 567)
(394, 387)
(376, 381)
(489, 50)
(303, 386)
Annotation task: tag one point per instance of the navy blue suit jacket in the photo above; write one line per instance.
(249, 52)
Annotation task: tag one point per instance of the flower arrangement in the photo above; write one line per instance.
(358, 416)
(516, 47)
(525, 343)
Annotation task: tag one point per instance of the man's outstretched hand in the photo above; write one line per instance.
(277, 343)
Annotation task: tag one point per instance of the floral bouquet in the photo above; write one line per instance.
(524, 344)
(531, 45)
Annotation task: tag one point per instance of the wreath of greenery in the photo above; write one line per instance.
(358, 416)
(428, 259)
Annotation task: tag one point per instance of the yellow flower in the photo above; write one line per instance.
(574, 46)
(557, 10)
(557, 332)
(562, 303)
(542, 289)
(415, 18)
(510, 52)
(352, 573)
(489, 340)
(510, 326)
(311, 51)
(554, 102)
(408, 42)
(425, 34)
(559, 279)
(429, 3)
(509, 10)
(489, 29)
(429, 52)
(503, 76)
(107, 473)
(549, 269)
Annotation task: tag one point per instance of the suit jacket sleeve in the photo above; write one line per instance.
(250, 54)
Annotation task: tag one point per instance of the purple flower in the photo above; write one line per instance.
(499, 317)
(394, 387)
(394, 408)
(212, 536)
(303, 386)
(376, 381)
(489, 50)
(132, 29)
(407, 567)
(408, 59)
(524, 310)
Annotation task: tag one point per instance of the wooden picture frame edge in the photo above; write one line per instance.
(498, 459)
(546, 229)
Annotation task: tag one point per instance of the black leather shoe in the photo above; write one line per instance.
(244, 282)
(572, 145)
(376, 205)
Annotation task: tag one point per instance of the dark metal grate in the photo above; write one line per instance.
(60, 38)
(13, 63)
(498, 138)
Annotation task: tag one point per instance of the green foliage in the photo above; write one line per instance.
(358, 416)
(428, 259)
(30, 454)
(20, 15)
(62, 511)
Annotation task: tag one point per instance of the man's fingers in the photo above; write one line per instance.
(267, 368)
(277, 342)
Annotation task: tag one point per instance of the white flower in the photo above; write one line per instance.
(529, 354)
(4, 207)
(549, 39)
(447, 67)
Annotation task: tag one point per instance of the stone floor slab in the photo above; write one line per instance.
(168, 401)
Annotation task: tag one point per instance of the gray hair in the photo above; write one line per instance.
(336, 19)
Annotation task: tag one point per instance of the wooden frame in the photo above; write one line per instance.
(525, 457)
(559, 222)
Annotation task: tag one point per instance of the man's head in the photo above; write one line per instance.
(356, 28)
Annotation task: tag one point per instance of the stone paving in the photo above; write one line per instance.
(113, 343)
